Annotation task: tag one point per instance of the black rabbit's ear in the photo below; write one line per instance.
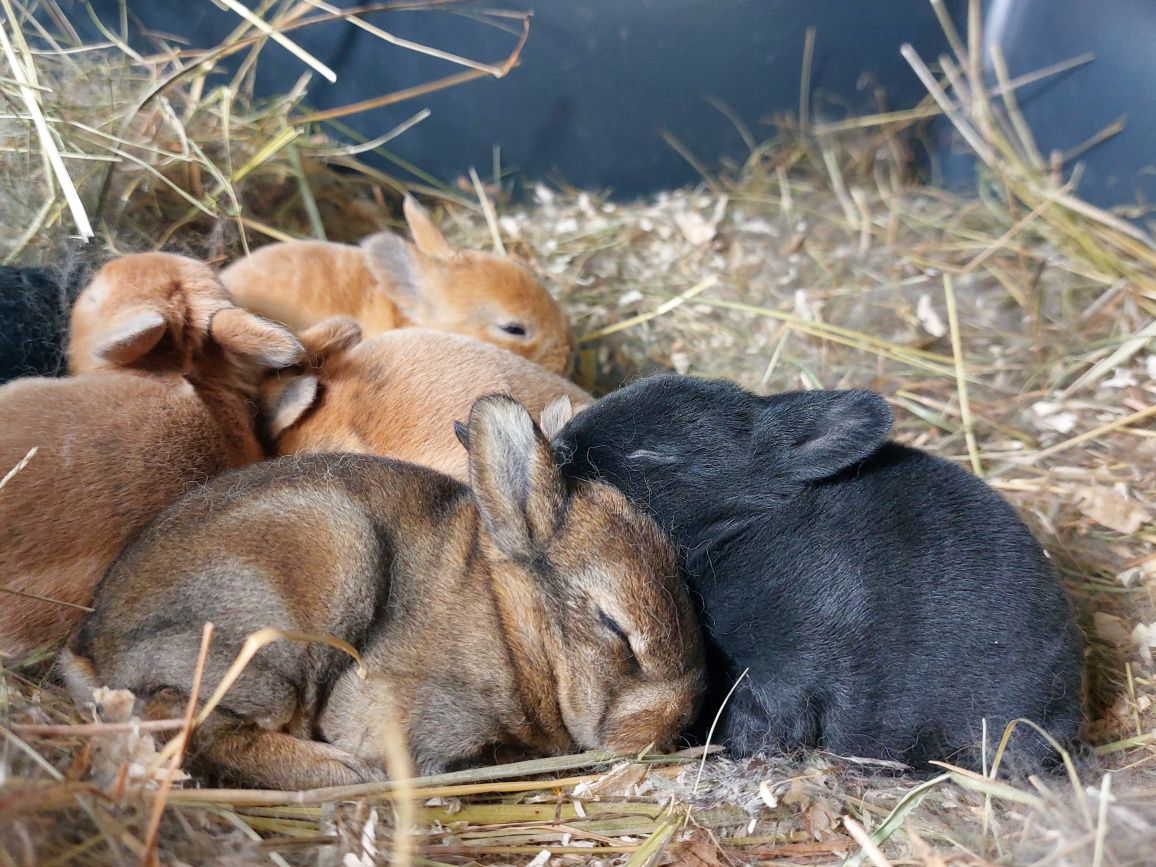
(811, 435)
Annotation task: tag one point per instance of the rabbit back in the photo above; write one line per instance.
(886, 611)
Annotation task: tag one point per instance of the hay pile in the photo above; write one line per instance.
(1011, 332)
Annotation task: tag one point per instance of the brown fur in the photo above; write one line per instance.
(389, 283)
(163, 403)
(397, 394)
(486, 615)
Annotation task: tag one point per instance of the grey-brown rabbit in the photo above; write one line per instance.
(513, 616)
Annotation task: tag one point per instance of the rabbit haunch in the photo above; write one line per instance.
(167, 371)
(397, 394)
(515, 616)
(388, 282)
(884, 602)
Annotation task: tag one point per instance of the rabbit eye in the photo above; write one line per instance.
(513, 328)
(616, 628)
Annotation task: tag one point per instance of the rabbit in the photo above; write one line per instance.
(34, 305)
(516, 615)
(882, 601)
(163, 398)
(396, 394)
(388, 282)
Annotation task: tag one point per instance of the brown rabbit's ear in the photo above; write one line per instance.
(284, 400)
(391, 260)
(130, 335)
(328, 338)
(254, 340)
(515, 480)
(426, 236)
(463, 434)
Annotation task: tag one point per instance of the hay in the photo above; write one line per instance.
(167, 149)
(817, 262)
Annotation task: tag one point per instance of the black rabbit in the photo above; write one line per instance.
(34, 309)
(885, 602)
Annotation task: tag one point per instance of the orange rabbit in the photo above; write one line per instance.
(167, 370)
(388, 282)
(398, 394)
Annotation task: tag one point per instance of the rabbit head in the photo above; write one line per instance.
(163, 313)
(696, 450)
(396, 394)
(288, 395)
(491, 298)
(589, 590)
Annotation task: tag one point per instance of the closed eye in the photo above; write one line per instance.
(615, 628)
(513, 328)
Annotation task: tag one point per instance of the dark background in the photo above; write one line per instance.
(600, 79)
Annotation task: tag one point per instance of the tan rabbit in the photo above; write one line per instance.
(164, 401)
(515, 616)
(397, 394)
(389, 283)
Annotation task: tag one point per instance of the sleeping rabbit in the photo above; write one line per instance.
(883, 602)
(388, 282)
(514, 616)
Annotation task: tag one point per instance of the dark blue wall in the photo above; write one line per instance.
(600, 79)
(1068, 110)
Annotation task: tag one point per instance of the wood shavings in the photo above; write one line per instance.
(1113, 508)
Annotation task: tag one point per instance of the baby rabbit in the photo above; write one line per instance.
(397, 394)
(34, 305)
(168, 370)
(518, 614)
(883, 601)
(389, 283)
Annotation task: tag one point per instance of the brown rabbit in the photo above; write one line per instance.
(389, 283)
(515, 616)
(398, 394)
(168, 370)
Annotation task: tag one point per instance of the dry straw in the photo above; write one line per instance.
(1013, 332)
(165, 148)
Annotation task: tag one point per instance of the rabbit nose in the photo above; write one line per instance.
(644, 721)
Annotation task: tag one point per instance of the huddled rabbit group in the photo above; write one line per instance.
(375, 450)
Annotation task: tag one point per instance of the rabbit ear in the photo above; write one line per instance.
(130, 335)
(393, 262)
(515, 480)
(426, 236)
(815, 434)
(254, 340)
(328, 338)
(554, 416)
(284, 400)
(463, 434)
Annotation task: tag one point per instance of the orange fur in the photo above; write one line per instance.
(398, 394)
(167, 367)
(389, 283)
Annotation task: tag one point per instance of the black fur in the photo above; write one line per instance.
(885, 601)
(34, 308)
